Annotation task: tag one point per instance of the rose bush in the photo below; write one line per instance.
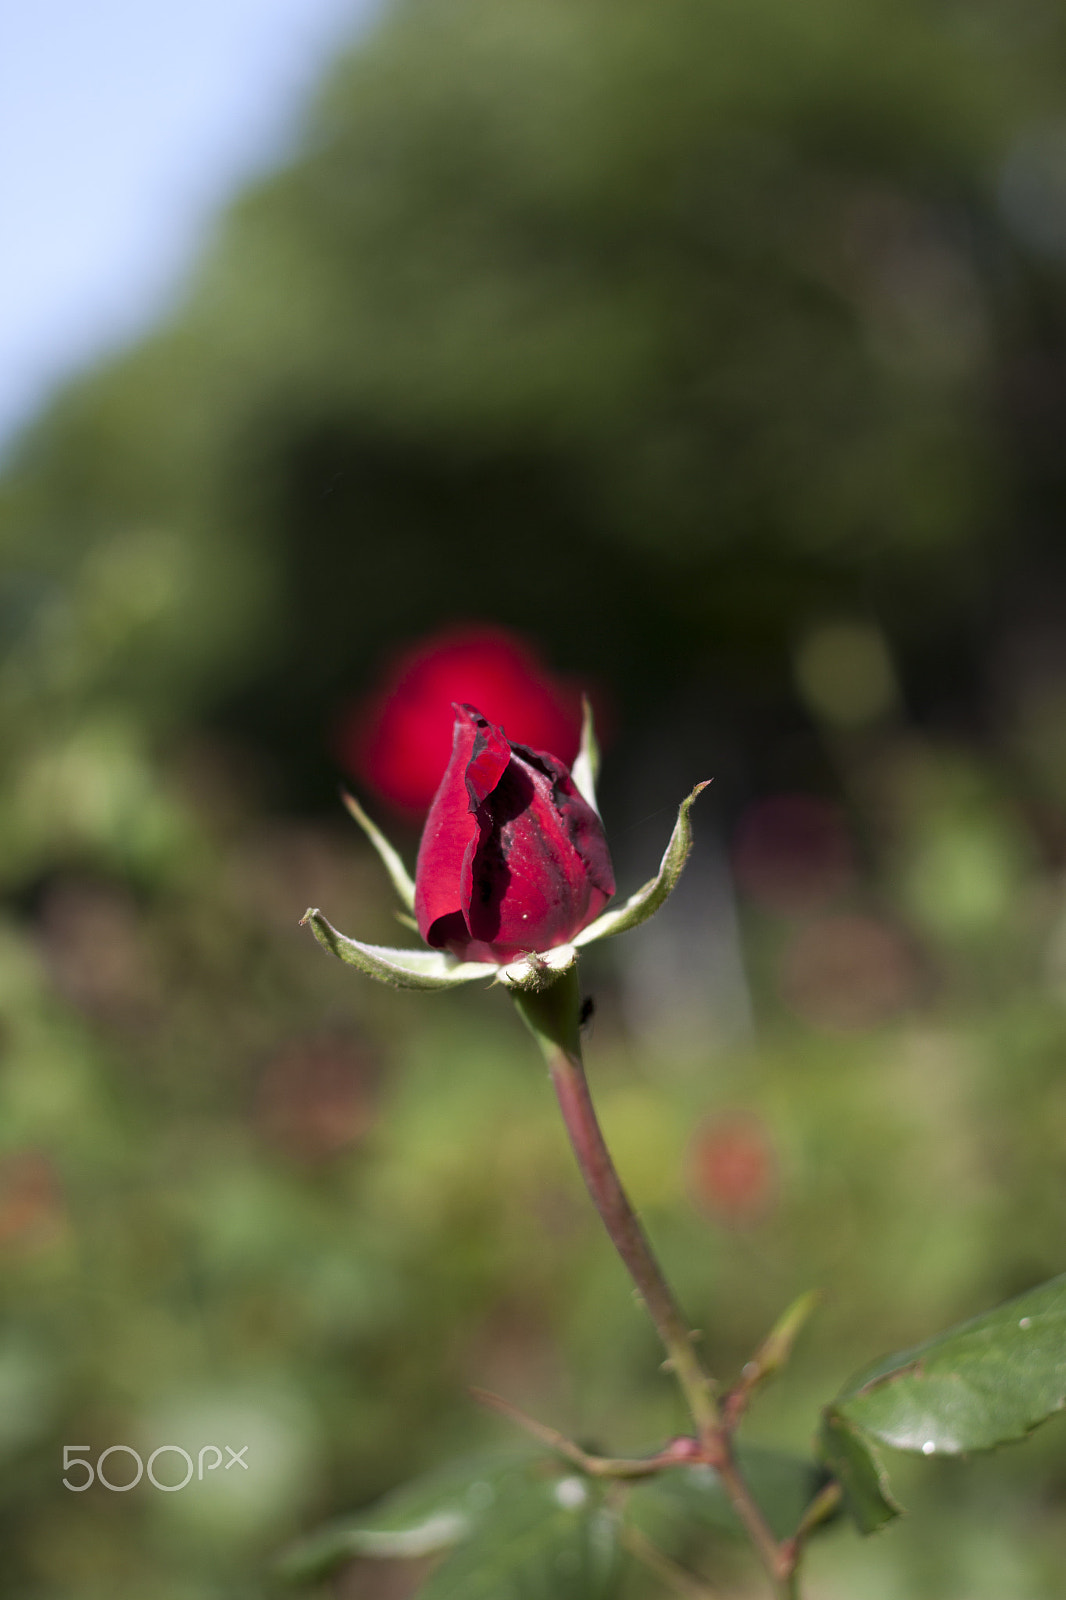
(513, 859)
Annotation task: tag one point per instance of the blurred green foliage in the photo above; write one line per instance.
(720, 350)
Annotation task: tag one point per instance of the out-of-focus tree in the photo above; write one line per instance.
(686, 322)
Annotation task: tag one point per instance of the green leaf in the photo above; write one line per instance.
(402, 969)
(676, 1503)
(984, 1383)
(517, 1526)
(854, 1464)
(398, 874)
(431, 1513)
(647, 900)
(546, 1537)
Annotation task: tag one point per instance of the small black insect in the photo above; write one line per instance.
(588, 1011)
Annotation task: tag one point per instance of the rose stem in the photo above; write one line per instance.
(552, 1015)
(618, 1467)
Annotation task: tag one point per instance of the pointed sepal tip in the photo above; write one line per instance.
(647, 900)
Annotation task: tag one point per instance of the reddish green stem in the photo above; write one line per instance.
(552, 1015)
(628, 1237)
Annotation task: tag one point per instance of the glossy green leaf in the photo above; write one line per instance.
(984, 1383)
(674, 1504)
(401, 969)
(647, 900)
(431, 1513)
(546, 1537)
(853, 1463)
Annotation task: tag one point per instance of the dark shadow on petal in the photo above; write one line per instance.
(491, 875)
(448, 931)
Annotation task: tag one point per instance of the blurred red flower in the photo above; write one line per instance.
(32, 1209)
(732, 1167)
(398, 738)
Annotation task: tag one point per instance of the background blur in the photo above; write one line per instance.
(713, 358)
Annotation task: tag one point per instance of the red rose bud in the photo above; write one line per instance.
(513, 860)
(512, 871)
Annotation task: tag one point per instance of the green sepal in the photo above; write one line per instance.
(401, 969)
(399, 876)
(647, 900)
(534, 973)
(586, 769)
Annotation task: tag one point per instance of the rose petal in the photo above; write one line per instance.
(480, 755)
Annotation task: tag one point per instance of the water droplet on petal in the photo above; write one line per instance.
(928, 1447)
(1025, 1322)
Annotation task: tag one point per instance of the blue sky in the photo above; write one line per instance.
(124, 126)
